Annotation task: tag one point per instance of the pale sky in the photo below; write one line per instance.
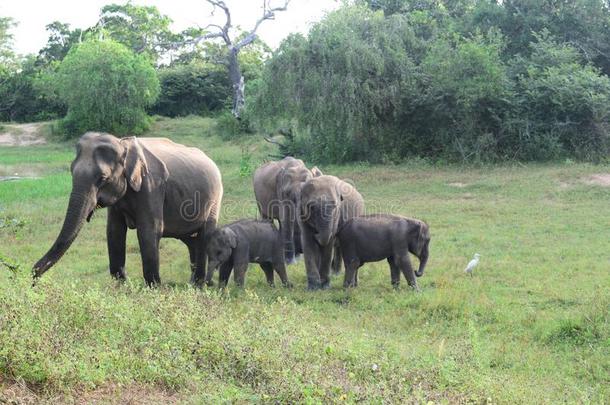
(33, 15)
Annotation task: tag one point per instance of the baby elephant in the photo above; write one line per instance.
(242, 242)
(371, 238)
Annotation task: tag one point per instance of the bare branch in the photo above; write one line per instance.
(268, 14)
(225, 29)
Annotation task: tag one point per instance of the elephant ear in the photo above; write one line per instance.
(316, 172)
(231, 237)
(418, 234)
(141, 163)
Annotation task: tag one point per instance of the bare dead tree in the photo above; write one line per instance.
(233, 47)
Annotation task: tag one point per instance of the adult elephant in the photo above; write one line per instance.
(277, 188)
(153, 185)
(326, 204)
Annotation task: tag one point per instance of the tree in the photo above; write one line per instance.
(6, 45)
(61, 39)
(106, 88)
(235, 45)
(143, 29)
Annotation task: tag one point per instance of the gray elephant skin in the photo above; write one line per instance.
(153, 185)
(371, 238)
(235, 245)
(326, 204)
(277, 189)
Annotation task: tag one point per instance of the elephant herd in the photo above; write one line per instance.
(164, 189)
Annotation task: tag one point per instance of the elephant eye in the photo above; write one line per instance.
(101, 181)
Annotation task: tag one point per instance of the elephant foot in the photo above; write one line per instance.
(288, 284)
(118, 274)
(325, 285)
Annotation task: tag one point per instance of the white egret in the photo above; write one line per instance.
(473, 263)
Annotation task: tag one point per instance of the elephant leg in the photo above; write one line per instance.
(280, 269)
(337, 259)
(148, 239)
(268, 269)
(202, 258)
(116, 232)
(394, 272)
(224, 273)
(311, 251)
(351, 270)
(298, 245)
(240, 273)
(325, 263)
(405, 266)
(190, 244)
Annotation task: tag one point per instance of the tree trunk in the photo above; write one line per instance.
(237, 81)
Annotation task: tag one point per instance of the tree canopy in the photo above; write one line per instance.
(106, 88)
(452, 80)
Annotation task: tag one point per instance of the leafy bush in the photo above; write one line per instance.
(424, 81)
(196, 88)
(229, 127)
(564, 106)
(106, 88)
(23, 99)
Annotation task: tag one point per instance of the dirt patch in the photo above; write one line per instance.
(20, 393)
(601, 179)
(22, 135)
(457, 184)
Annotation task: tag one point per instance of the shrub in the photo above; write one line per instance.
(196, 88)
(106, 88)
(229, 127)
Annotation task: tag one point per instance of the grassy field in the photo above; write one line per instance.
(531, 325)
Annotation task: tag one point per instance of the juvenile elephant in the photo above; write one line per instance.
(242, 242)
(153, 185)
(277, 188)
(371, 238)
(326, 203)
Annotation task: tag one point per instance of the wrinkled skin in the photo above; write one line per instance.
(371, 238)
(326, 204)
(277, 188)
(153, 185)
(235, 245)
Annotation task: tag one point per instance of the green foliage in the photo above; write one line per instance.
(245, 164)
(564, 103)
(142, 29)
(24, 95)
(61, 39)
(229, 127)
(335, 83)
(438, 80)
(6, 45)
(106, 88)
(195, 88)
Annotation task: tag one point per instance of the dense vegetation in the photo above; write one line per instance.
(468, 80)
(107, 88)
(376, 80)
(531, 326)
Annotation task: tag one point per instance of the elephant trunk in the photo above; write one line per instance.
(423, 259)
(287, 227)
(81, 205)
(324, 236)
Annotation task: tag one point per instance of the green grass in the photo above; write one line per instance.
(531, 326)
